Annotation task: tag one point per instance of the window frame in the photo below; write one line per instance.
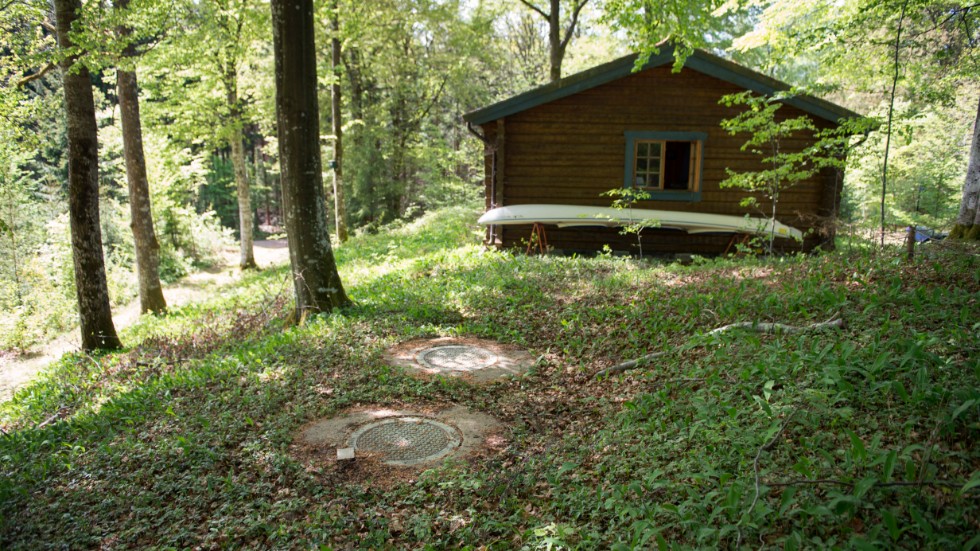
(697, 140)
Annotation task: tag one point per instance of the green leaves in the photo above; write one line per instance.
(785, 166)
(204, 424)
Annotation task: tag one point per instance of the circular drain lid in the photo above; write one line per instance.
(456, 357)
(406, 440)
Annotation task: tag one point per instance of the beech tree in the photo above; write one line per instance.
(199, 71)
(316, 282)
(145, 239)
(782, 169)
(95, 314)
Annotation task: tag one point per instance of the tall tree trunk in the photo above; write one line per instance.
(141, 214)
(94, 312)
(968, 221)
(245, 222)
(340, 210)
(556, 51)
(260, 181)
(891, 111)
(315, 279)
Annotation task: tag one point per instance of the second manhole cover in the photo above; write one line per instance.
(406, 440)
(456, 357)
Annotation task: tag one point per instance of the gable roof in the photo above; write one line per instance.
(700, 61)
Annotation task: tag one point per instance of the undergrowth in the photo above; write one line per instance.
(858, 438)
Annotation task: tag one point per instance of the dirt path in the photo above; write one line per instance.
(18, 370)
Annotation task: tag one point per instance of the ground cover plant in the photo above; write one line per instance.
(859, 438)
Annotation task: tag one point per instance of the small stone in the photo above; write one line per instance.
(345, 454)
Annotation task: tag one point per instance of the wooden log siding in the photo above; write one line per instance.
(571, 150)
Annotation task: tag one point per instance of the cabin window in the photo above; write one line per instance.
(665, 164)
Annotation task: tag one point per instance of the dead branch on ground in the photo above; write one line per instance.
(771, 328)
(755, 468)
(768, 328)
(844, 483)
(626, 366)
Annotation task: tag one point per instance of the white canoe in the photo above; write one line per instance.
(566, 216)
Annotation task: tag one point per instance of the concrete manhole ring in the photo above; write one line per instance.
(456, 357)
(406, 440)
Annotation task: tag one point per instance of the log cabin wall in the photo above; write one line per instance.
(572, 150)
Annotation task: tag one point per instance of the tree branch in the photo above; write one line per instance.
(537, 9)
(571, 24)
(767, 328)
(755, 468)
(31, 78)
(770, 328)
(626, 366)
(835, 482)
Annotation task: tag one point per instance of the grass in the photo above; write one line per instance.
(862, 438)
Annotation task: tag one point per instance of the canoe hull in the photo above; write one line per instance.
(566, 216)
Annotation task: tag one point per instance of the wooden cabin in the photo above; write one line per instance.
(571, 141)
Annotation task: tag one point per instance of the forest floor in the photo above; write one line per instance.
(204, 432)
(17, 370)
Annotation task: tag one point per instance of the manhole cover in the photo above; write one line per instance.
(456, 357)
(406, 440)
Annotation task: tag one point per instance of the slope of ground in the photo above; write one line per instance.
(862, 437)
(16, 370)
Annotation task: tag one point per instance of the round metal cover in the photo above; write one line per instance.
(456, 357)
(406, 440)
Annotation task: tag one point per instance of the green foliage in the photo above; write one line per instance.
(782, 167)
(625, 199)
(927, 167)
(688, 24)
(848, 49)
(870, 427)
(406, 83)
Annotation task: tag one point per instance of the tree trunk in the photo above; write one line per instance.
(557, 53)
(245, 222)
(968, 221)
(141, 214)
(340, 210)
(94, 312)
(891, 111)
(316, 282)
(261, 182)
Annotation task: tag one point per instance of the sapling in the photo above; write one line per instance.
(783, 169)
(626, 198)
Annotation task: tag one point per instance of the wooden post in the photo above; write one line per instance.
(910, 244)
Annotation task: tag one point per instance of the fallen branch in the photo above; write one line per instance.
(755, 467)
(626, 366)
(770, 328)
(834, 482)
(48, 421)
(767, 328)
